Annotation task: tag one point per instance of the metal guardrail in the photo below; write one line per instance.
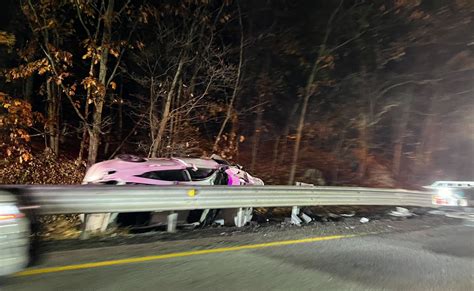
(105, 198)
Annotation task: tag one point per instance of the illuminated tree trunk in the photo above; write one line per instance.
(94, 132)
(166, 111)
(85, 132)
(299, 134)
(173, 124)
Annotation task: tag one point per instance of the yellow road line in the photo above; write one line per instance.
(178, 255)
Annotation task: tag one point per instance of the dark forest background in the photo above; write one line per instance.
(352, 92)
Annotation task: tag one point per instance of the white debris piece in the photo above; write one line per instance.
(306, 218)
(295, 211)
(401, 212)
(295, 220)
(219, 222)
(348, 214)
(364, 220)
(332, 215)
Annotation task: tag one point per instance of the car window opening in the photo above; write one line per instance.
(169, 175)
(200, 173)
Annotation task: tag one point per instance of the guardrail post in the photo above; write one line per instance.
(244, 215)
(240, 218)
(84, 231)
(295, 211)
(172, 222)
(94, 223)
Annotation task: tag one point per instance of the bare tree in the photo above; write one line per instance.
(310, 90)
(184, 68)
(230, 105)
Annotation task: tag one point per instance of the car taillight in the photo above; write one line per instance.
(8, 212)
(441, 201)
(437, 200)
(11, 216)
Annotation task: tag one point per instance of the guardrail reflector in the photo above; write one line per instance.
(192, 192)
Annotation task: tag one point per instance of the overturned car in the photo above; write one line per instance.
(134, 170)
(129, 169)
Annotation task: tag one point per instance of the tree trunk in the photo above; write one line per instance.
(363, 128)
(264, 95)
(233, 137)
(309, 92)
(173, 120)
(28, 89)
(337, 153)
(85, 132)
(53, 116)
(166, 111)
(257, 133)
(177, 124)
(283, 140)
(299, 135)
(423, 151)
(230, 107)
(94, 133)
(275, 155)
(120, 114)
(400, 133)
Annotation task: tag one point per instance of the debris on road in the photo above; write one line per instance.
(348, 214)
(273, 229)
(401, 212)
(332, 215)
(295, 220)
(219, 222)
(306, 217)
(294, 216)
(364, 220)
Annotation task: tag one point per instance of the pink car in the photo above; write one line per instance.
(129, 169)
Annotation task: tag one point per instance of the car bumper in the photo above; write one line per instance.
(14, 246)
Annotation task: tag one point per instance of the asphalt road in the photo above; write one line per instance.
(430, 258)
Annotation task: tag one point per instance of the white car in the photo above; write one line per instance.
(14, 236)
(452, 193)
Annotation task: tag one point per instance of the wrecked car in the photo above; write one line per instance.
(134, 170)
(129, 169)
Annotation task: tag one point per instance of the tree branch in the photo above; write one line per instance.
(237, 82)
